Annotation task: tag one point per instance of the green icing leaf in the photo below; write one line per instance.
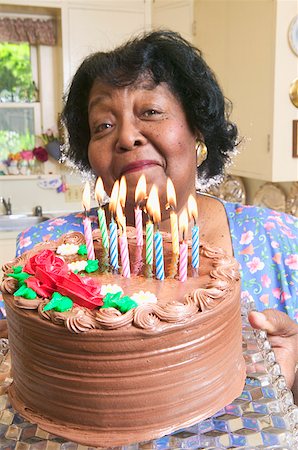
(17, 269)
(25, 292)
(59, 303)
(20, 276)
(92, 265)
(123, 304)
(126, 303)
(82, 250)
(110, 300)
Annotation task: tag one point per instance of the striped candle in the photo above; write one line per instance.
(124, 256)
(113, 245)
(183, 253)
(103, 227)
(88, 238)
(195, 245)
(195, 232)
(139, 225)
(159, 262)
(149, 242)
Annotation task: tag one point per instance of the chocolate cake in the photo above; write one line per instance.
(101, 363)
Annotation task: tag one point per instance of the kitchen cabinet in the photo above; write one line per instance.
(246, 44)
(92, 26)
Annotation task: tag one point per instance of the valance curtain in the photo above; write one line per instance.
(34, 31)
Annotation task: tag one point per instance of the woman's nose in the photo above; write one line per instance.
(129, 136)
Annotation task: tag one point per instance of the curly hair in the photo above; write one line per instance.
(164, 56)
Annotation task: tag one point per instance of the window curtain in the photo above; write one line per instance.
(34, 31)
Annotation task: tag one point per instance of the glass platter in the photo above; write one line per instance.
(263, 417)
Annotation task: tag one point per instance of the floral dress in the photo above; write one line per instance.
(265, 243)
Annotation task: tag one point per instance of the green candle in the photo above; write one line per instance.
(149, 242)
(103, 227)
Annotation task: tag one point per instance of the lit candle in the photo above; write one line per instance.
(153, 207)
(113, 227)
(195, 235)
(172, 203)
(140, 195)
(100, 195)
(183, 249)
(124, 254)
(87, 223)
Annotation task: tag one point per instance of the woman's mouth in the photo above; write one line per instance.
(139, 166)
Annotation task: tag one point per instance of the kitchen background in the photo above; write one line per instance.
(250, 44)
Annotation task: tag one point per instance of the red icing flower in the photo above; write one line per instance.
(84, 291)
(46, 260)
(41, 289)
(51, 274)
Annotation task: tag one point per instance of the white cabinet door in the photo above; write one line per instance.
(89, 28)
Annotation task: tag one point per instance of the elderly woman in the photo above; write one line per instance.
(154, 107)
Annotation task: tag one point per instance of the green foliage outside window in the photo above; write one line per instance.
(16, 83)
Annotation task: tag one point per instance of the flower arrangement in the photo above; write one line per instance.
(26, 162)
(48, 136)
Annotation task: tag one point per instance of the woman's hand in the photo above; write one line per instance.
(283, 335)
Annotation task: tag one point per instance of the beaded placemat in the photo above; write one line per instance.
(263, 417)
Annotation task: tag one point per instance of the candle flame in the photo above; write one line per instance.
(122, 192)
(192, 207)
(140, 192)
(114, 197)
(99, 191)
(171, 194)
(86, 196)
(183, 222)
(120, 217)
(153, 206)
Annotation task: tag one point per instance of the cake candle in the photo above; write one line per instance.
(153, 207)
(124, 254)
(172, 203)
(140, 195)
(100, 195)
(87, 222)
(113, 228)
(195, 235)
(183, 249)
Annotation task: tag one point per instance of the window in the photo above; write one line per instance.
(19, 113)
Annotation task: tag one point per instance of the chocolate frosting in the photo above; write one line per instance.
(103, 378)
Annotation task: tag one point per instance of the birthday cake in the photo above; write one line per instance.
(106, 360)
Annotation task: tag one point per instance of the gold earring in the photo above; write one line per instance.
(201, 151)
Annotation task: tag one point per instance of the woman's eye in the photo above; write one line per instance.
(150, 113)
(101, 127)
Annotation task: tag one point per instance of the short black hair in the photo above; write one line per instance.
(166, 57)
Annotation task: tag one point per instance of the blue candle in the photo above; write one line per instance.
(113, 245)
(160, 272)
(195, 245)
(195, 232)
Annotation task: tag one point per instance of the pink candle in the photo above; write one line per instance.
(140, 195)
(183, 251)
(124, 256)
(121, 219)
(88, 238)
(183, 248)
(87, 223)
(139, 225)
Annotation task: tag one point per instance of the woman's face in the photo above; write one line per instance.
(141, 129)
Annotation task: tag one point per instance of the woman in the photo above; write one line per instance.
(153, 106)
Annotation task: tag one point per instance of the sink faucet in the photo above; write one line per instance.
(6, 204)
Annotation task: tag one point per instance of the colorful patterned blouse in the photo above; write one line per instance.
(265, 243)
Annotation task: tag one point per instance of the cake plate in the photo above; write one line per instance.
(262, 417)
